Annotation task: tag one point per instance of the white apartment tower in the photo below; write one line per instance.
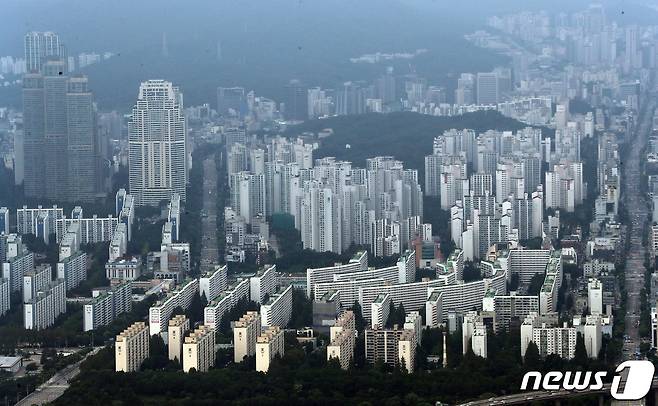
(158, 155)
(380, 309)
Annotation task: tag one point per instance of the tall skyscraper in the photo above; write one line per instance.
(60, 156)
(296, 101)
(33, 135)
(39, 47)
(632, 58)
(230, 98)
(55, 84)
(83, 159)
(386, 86)
(158, 156)
(465, 92)
(487, 88)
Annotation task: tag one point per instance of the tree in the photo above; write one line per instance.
(580, 357)
(302, 310)
(396, 316)
(535, 284)
(471, 272)
(158, 354)
(532, 360)
(514, 282)
(195, 310)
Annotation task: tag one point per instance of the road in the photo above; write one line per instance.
(209, 248)
(636, 207)
(56, 385)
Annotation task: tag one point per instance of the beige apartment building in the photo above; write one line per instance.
(131, 347)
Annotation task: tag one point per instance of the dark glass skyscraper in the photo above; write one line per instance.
(60, 153)
(296, 101)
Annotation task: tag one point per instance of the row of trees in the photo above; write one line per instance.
(303, 376)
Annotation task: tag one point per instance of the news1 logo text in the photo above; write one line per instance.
(637, 375)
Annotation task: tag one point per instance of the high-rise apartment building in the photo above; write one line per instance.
(35, 281)
(43, 309)
(131, 347)
(158, 151)
(245, 333)
(41, 46)
(391, 346)
(16, 267)
(212, 283)
(106, 305)
(278, 308)
(5, 296)
(342, 334)
(380, 309)
(270, 344)
(199, 349)
(4, 220)
(178, 326)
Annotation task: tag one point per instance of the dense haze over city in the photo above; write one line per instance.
(328, 202)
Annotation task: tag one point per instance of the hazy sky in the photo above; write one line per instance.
(117, 24)
(265, 43)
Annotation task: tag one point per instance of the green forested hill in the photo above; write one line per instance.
(406, 136)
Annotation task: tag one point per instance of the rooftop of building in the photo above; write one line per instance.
(434, 296)
(198, 334)
(274, 296)
(330, 296)
(132, 261)
(177, 320)
(269, 334)
(357, 256)
(548, 284)
(132, 331)
(247, 319)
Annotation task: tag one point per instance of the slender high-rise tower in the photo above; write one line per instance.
(82, 143)
(33, 135)
(55, 84)
(158, 156)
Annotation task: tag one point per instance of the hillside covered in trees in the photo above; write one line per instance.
(406, 136)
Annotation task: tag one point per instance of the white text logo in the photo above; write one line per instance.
(638, 379)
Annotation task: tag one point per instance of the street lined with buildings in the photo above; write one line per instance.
(635, 203)
(209, 246)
